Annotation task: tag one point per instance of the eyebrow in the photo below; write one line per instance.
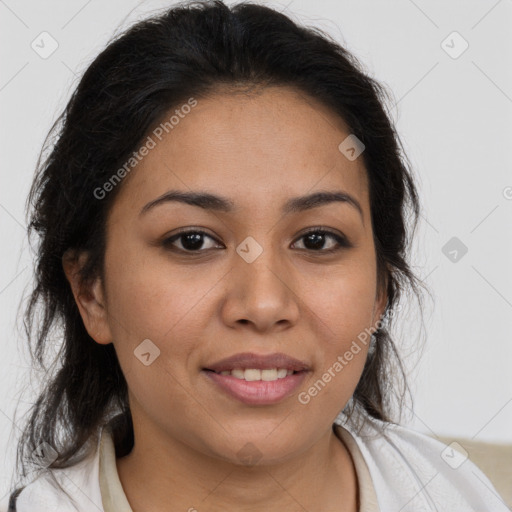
(213, 202)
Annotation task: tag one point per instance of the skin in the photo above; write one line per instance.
(259, 150)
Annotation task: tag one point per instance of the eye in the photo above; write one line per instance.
(191, 240)
(315, 239)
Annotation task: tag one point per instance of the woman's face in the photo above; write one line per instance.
(254, 284)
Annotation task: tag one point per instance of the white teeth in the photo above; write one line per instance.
(238, 373)
(269, 374)
(253, 374)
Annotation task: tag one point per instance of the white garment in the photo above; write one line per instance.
(407, 469)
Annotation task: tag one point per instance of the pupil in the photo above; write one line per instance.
(317, 239)
(192, 241)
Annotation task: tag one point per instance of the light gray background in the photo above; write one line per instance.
(455, 119)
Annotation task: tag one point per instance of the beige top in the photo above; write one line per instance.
(114, 499)
(367, 496)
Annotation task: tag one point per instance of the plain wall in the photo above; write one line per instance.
(454, 116)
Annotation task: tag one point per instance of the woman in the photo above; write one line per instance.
(223, 237)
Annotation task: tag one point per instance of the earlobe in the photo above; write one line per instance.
(89, 297)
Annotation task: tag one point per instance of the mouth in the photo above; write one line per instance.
(257, 379)
(248, 361)
(256, 374)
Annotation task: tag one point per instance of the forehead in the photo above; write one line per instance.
(257, 148)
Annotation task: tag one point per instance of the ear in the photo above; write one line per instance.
(90, 298)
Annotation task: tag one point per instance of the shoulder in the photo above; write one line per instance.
(415, 472)
(67, 490)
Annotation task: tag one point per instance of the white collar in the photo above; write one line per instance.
(406, 467)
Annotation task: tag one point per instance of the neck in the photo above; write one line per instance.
(155, 474)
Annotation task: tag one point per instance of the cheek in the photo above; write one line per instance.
(342, 337)
(342, 314)
(148, 295)
(343, 302)
(151, 299)
(148, 302)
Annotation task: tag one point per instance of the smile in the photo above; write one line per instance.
(254, 374)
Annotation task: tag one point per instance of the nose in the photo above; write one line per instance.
(260, 293)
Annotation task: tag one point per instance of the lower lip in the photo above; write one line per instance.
(258, 392)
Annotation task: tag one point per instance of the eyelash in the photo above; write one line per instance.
(342, 242)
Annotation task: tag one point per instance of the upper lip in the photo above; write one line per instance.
(262, 362)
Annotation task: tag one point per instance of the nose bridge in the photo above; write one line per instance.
(260, 263)
(261, 293)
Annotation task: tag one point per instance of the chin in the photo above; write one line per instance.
(259, 449)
